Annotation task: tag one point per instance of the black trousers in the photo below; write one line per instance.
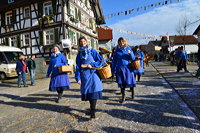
(93, 103)
(182, 64)
(59, 90)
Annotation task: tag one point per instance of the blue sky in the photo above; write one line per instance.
(159, 20)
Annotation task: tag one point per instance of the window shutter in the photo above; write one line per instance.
(79, 15)
(2, 19)
(56, 32)
(86, 3)
(76, 13)
(7, 41)
(77, 37)
(54, 5)
(18, 41)
(13, 16)
(41, 38)
(68, 9)
(40, 9)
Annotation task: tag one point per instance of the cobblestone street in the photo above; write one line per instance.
(161, 104)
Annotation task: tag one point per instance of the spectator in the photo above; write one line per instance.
(31, 67)
(21, 70)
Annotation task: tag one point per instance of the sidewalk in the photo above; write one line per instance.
(155, 108)
(182, 83)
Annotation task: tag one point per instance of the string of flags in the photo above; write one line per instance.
(130, 11)
(129, 39)
(137, 33)
(146, 36)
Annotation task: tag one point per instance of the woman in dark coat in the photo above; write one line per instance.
(91, 85)
(120, 66)
(21, 69)
(59, 81)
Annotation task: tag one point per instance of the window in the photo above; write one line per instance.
(12, 57)
(72, 36)
(74, 39)
(10, 1)
(49, 37)
(72, 11)
(26, 12)
(2, 58)
(48, 9)
(8, 18)
(13, 41)
(82, 19)
(26, 39)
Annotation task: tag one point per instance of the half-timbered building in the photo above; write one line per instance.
(36, 25)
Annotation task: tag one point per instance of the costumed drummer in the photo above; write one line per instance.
(59, 81)
(120, 66)
(90, 83)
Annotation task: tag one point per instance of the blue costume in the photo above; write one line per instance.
(182, 55)
(140, 54)
(91, 85)
(120, 66)
(58, 80)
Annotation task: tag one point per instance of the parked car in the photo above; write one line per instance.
(8, 59)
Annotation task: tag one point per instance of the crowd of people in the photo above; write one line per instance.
(87, 77)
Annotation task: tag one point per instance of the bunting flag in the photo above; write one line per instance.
(137, 33)
(138, 38)
(130, 11)
(148, 36)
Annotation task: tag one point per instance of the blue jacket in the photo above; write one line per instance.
(182, 54)
(58, 60)
(19, 66)
(97, 63)
(140, 54)
(122, 58)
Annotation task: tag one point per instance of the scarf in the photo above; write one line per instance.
(122, 47)
(84, 51)
(55, 54)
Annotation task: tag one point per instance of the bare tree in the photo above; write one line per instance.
(182, 28)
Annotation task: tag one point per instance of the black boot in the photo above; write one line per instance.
(123, 95)
(60, 93)
(138, 78)
(92, 114)
(132, 92)
(92, 108)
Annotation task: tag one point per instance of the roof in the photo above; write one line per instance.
(7, 48)
(156, 43)
(104, 33)
(98, 12)
(187, 39)
(197, 30)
